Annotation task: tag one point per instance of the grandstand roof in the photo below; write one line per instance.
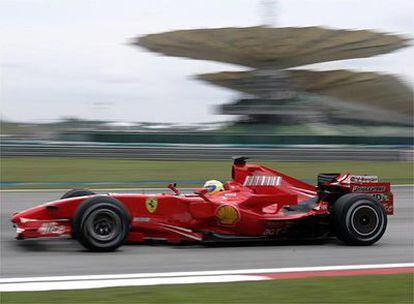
(263, 47)
(382, 91)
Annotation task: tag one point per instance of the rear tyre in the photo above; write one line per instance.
(359, 219)
(101, 224)
(77, 192)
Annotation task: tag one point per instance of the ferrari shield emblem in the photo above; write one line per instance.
(151, 203)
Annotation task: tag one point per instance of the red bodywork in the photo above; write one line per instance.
(258, 203)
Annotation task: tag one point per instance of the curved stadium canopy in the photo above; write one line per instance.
(360, 88)
(272, 52)
(262, 47)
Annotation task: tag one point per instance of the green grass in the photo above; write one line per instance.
(51, 169)
(359, 289)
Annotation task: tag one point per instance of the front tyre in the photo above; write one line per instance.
(359, 219)
(76, 193)
(101, 224)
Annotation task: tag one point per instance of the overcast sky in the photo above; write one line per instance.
(63, 58)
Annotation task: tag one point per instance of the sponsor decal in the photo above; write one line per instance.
(380, 196)
(389, 208)
(227, 215)
(363, 179)
(323, 206)
(151, 204)
(262, 180)
(142, 219)
(369, 189)
(51, 228)
(270, 231)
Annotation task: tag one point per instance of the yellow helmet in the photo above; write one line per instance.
(213, 186)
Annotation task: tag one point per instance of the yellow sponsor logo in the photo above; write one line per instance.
(151, 204)
(227, 215)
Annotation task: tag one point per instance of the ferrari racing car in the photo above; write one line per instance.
(258, 204)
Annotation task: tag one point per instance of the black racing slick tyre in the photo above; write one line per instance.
(359, 219)
(76, 193)
(101, 224)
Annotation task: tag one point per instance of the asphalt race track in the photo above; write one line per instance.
(66, 257)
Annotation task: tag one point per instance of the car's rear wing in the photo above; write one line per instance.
(368, 184)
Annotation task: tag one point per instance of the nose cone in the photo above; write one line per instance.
(40, 221)
(15, 219)
(34, 213)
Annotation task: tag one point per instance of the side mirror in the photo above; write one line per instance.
(201, 191)
(173, 188)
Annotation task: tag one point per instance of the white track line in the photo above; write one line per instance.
(89, 284)
(145, 279)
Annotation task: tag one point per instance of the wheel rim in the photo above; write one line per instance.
(365, 220)
(103, 225)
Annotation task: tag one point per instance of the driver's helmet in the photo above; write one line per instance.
(213, 186)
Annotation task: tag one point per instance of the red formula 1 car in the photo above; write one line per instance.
(257, 204)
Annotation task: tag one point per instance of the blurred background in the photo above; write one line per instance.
(137, 94)
(298, 81)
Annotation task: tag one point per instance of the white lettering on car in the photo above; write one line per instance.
(51, 228)
(363, 179)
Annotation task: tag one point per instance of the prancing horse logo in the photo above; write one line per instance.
(151, 203)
